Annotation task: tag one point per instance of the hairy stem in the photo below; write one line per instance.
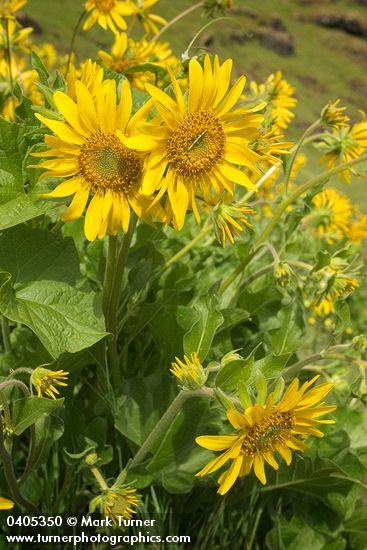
(10, 476)
(205, 230)
(297, 150)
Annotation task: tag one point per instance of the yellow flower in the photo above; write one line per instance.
(89, 73)
(332, 214)
(334, 116)
(190, 373)
(325, 306)
(344, 144)
(127, 53)
(18, 39)
(88, 152)
(146, 18)
(227, 219)
(197, 146)
(278, 94)
(270, 146)
(45, 380)
(282, 274)
(9, 7)
(263, 430)
(6, 504)
(108, 14)
(115, 503)
(358, 227)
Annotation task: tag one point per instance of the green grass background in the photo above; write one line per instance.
(327, 63)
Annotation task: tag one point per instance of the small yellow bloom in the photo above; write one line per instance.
(269, 145)
(282, 274)
(150, 21)
(45, 380)
(9, 7)
(263, 430)
(331, 215)
(109, 14)
(334, 116)
(117, 502)
(227, 220)
(190, 373)
(6, 504)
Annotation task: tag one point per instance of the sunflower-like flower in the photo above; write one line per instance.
(227, 219)
(88, 152)
(358, 227)
(109, 14)
(89, 73)
(279, 95)
(45, 380)
(190, 373)
(8, 8)
(334, 116)
(331, 215)
(197, 146)
(343, 145)
(150, 21)
(116, 503)
(127, 53)
(270, 146)
(263, 430)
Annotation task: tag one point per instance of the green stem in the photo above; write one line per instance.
(164, 423)
(297, 150)
(300, 191)
(7, 416)
(30, 457)
(236, 272)
(177, 18)
(16, 383)
(115, 300)
(100, 479)
(109, 273)
(72, 43)
(324, 354)
(257, 274)
(6, 334)
(10, 476)
(188, 246)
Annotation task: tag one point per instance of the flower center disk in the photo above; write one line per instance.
(105, 6)
(106, 163)
(197, 144)
(266, 434)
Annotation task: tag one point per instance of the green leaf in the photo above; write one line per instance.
(322, 260)
(28, 410)
(40, 68)
(286, 335)
(13, 148)
(238, 370)
(49, 429)
(160, 72)
(199, 338)
(37, 271)
(270, 366)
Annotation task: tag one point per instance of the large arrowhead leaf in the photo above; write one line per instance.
(38, 271)
(200, 337)
(28, 410)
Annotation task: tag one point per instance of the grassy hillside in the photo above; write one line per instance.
(326, 63)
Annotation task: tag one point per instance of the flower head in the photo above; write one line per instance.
(334, 116)
(108, 14)
(6, 504)
(97, 164)
(45, 380)
(9, 7)
(150, 21)
(343, 145)
(197, 146)
(331, 215)
(117, 503)
(279, 96)
(262, 431)
(127, 53)
(227, 220)
(190, 373)
(282, 274)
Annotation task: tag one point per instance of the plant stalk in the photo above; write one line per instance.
(6, 334)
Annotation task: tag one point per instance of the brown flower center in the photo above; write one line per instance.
(273, 429)
(105, 163)
(197, 144)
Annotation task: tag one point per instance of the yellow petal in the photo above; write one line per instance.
(259, 469)
(77, 205)
(62, 130)
(196, 85)
(231, 476)
(65, 189)
(216, 442)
